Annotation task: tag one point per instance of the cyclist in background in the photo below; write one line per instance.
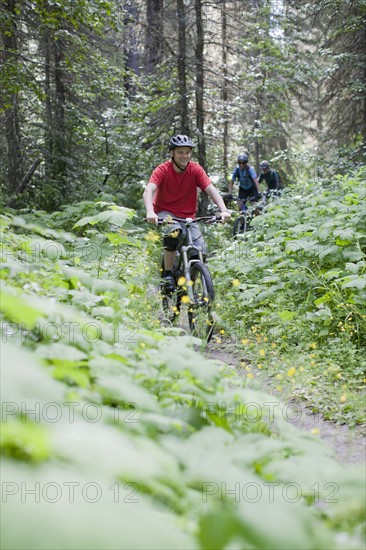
(248, 181)
(269, 177)
(172, 191)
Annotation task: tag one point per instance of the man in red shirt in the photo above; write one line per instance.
(172, 190)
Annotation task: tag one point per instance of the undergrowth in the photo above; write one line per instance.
(117, 433)
(292, 296)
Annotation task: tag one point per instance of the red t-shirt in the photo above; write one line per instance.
(177, 193)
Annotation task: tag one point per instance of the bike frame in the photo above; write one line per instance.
(183, 254)
(184, 249)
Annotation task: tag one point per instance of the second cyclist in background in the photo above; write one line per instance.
(248, 181)
(270, 177)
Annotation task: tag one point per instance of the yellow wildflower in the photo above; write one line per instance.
(181, 281)
(152, 236)
(291, 372)
(343, 398)
(186, 300)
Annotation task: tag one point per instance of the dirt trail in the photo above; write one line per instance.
(349, 446)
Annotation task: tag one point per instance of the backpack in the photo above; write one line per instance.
(280, 186)
(272, 179)
(244, 175)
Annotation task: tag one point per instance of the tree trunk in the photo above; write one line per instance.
(24, 182)
(182, 72)
(132, 58)
(11, 111)
(204, 200)
(154, 31)
(199, 86)
(60, 132)
(224, 93)
(48, 120)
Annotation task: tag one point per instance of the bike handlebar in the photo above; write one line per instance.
(250, 199)
(207, 219)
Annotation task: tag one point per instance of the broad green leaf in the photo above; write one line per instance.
(18, 310)
(117, 240)
(118, 389)
(39, 249)
(353, 281)
(61, 351)
(25, 381)
(24, 440)
(114, 217)
(71, 373)
(78, 512)
(241, 525)
(286, 315)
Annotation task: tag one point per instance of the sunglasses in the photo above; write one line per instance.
(242, 162)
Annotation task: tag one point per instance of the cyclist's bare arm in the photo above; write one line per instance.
(257, 185)
(148, 197)
(277, 181)
(213, 193)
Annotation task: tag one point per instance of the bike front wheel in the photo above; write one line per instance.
(200, 316)
(171, 305)
(240, 225)
(171, 301)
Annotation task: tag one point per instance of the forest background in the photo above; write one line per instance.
(91, 91)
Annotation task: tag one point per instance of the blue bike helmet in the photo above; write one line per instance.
(243, 158)
(180, 141)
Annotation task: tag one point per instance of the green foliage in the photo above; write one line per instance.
(111, 422)
(296, 289)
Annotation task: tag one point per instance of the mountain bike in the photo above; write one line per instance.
(247, 213)
(270, 195)
(193, 282)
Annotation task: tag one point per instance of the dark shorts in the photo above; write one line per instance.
(247, 193)
(169, 230)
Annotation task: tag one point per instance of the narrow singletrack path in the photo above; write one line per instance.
(348, 444)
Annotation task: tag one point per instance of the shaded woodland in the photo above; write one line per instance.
(92, 91)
